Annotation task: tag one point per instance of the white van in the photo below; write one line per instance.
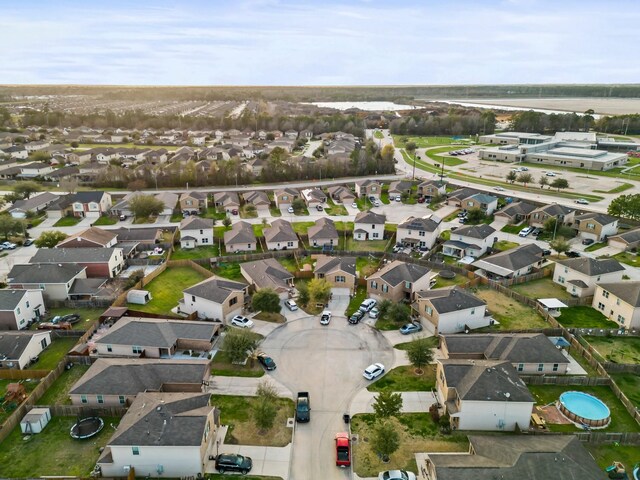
(367, 305)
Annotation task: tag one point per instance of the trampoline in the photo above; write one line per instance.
(86, 427)
(447, 274)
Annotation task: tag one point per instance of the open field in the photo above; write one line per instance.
(511, 314)
(611, 106)
(420, 141)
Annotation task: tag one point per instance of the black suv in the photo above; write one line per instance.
(231, 462)
(356, 317)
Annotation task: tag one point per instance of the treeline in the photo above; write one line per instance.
(453, 123)
(623, 124)
(539, 122)
(367, 160)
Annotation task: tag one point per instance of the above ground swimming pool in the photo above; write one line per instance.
(584, 409)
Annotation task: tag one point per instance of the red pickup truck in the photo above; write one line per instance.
(343, 450)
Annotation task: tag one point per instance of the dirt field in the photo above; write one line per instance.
(610, 106)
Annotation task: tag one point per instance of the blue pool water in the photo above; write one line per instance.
(584, 405)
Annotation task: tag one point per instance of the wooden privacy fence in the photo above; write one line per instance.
(612, 367)
(15, 374)
(83, 410)
(564, 380)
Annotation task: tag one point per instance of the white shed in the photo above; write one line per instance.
(35, 420)
(141, 297)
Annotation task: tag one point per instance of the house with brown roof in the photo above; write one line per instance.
(399, 281)
(240, 238)
(368, 188)
(400, 187)
(369, 225)
(268, 273)
(280, 236)
(341, 194)
(258, 199)
(579, 276)
(595, 226)
(515, 212)
(229, 201)
(284, 197)
(92, 237)
(323, 234)
(340, 272)
(625, 241)
(432, 188)
(193, 202)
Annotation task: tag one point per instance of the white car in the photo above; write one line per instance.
(242, 322)
(367, 304)
(396, 475)
(291, 305)
(325, 318)
(498, 189)
(525, 231)
(373, 371)
(376, 203)
(290, 210)
(398, 198)
(354, 205)
(551, 174)
(374, 313)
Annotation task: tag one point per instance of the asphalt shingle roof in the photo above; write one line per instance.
(156, 332)
(323, 228)
(241, 232)
(327, 264)
(481, 231)
(628, 292)
(592, 267)
(44, 273)
(196, 223)
(398, 272)
(9, 299)
(73, 255)
(451, 299)
(215, 289)
(370, 217)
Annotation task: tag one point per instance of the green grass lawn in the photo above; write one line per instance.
(605, 455)
(513, 229)
(34, 222)
(433, 154)
(228, 270)
(29, 385)
(361, 245)
(67, 222)
(354, 303)
(433, 341)
(511, 314)
(302, 227)
(629, 383)
(422, 142)
(166, 289)
(595, 246)
(503, 245)
(104, 220)
(616, 349)
(619, 189)
(87, 315)
(213, 213)
(51, 356)
(53, 451)
(621, 421)
(542, 288)
(275, 212)
(198, 252)
(629, 258)
(404, 379)
(378, 134)
(367, 265)
(58, 392)
(335, 208)
(248, 212)
(221, 365)
(584, 317)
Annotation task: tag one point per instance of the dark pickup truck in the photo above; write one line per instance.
(303, 410)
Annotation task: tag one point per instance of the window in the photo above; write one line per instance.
(591, 226)
(375, 235)
(193, 298)
(540, 367)
(27, 305)
(135, 450)
(289, 244)
(109, 348)
(385, 288)
(340, 279)
(521, 367)
(566, 270)
(469, 204)
(620, 319)
(100, 398)
(201, 232)
(374, 285)
(233, 301)
(428, 310)
(473, 311)
(122, 399)
(205, 240)
(18, 310)
(83, 399)
(136, 349)
(617, 301)
(605, 294)
(555, 367)
(598, 279)
(43, 343)
(422, 234)
(407, 284)
(600, 306)
(248, 245)
(560, 279)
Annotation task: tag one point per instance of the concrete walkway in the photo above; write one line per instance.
(412, 402)
(245, 386)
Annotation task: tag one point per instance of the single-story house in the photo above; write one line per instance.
(268, 273)
(240, 238)
(280, 235)
(515, 212)
(626, 241)
(34, 204)
(323, 233)
(400, 187)
(512, 263)
(229, 201)
(258, 199)
(313, 197)
(92, 237)
(342, 194)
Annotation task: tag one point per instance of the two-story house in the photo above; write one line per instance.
(193, 203)
(99, 262)
(368, 188)
(54, 281)
(579, 276)
(562, 214)
(196, 232)
(369, 225)
(340, 272)
(619, 302)
(422, 232)
(19, 308)
(471, 241)
(19, 349)
(91, 204)
(240, 238)
(399, 281)
(280, 236)
(214, 299)
(431, 188)
(451, 310)
(486, 203)
(595, 226)
(284, 197)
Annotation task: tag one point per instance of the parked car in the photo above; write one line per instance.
(546, 253)
(536, 231)
(234, 211)
(396, 475)
(410, 328)
(374, 313)
(122, 217)
(422, 200)
(398, 198)
(525, 231)
(367, 304)
(356, 317)
(290, 210)
(291, 305)
(376, 203)
(343, 449)
(462, 220)
(319, 208)
(266, 361)
(582, 201)
(572, 254)
(588, 241)
(9, 245)
(28, 243)
(551, 174)
(232, 462)
(242, 322)
(325, 318)
(373, 371)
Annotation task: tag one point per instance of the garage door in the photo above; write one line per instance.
(617, 244)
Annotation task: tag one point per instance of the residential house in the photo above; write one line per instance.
(369, 225)
(54, 281)
(16, 151)
(91, 204)
(470, 241)
(457, 197)
(61, 174)
(340, 272)
(483, 395)
(34, 204)
(595, 226)
(515, 212)
(323, 234)
(341, 194)
(268, 273)
(19, 308)
(255, 165)
(432, 188)
(400, 187)
(240, 238)
(540, 215)
(284, 197)
(193, 203)
(313, 197)
(258, 199)
(167, 198)
(421, 232)
(512, 263)
(486, 203)
(451, 310)
(99, 262)
(147, 236)
(534, 457)
(155, 338)
(619, 302)
(626, 241)
(92, 237)
(368, 188)
(529, 353)
(196, 232)
(580, 275)
(399, 281)
(214, 299)
(229, 201)
(115, 382)
(170, 201)
(162, 435)
(19, 349)
(35, 169)
(280, 236)
(37, 145)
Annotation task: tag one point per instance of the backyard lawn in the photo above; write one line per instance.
(52, 452)
(542, 288)
(166, 289)
(448, 282)
(228, 270)
(29, 385)
(51, 356)
(503, 245)
(87, 315)
(236, 412)
(191, 253)
(605, 455)
(584, 317)
(511, 314)
(621, 421)
(629, 383)
(58, 392)
(352, 245)
(367, 265)
(617, 349)
(404, 379)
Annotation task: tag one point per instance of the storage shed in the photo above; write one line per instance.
(141, 297)
(35, 420)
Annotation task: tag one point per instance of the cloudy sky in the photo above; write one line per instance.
(322, 42)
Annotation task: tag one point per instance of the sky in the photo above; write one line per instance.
(325, 42)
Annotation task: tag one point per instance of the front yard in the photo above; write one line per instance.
(629, 258)
(404, 379)
(354, 303)
(511, 314)
(584, 317)
(222, 366)
(542, 288)
(166, 289)
(67, 222)
(52, 452)
(235, 411)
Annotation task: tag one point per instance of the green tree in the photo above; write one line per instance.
(543, 181)
(511, 176)
(385, 439)
(75, 144)
(226, 221)
(525, 178)
(560, 183)
(10, 226)
(266, 300)
(264, 408)
(303, 293)
(420, 353)
(560, 245)
(383, 307)
(40, 156)
(387, 152)
(387, 404)
(26, 189)
(50, 239)
(298, 205)
(475, 215)
(319, 290)
(239, 344)
(627, 206)
(144, 206)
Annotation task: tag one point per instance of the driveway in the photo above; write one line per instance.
(244, 386)
(326, 361)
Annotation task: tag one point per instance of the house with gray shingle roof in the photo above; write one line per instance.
(595, 226)
(268, 273)
(529, 353)
(540, 215)
(340, 272)
(512, 263)
(229, 201)
(619, 302)
(240, 238)
(196, 232)
(18, 308)
(626, 240)
(483, 395)
(400, 187)
(368, 188)
(100, 262)
(91, 237)
(579, 276)
(421, 232)
(432, 188)
(342, 194)
(515, 212)
(313, 197)
(280, 236)
(369, 225)
(284, 197)
(451, 310)
(398, 281)
(486, 203)
(36, 203)
(214, 299)
(19, 349)
(258, 199)
(472, 241)
(323, 234)
(176, 429)
(53, 280)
